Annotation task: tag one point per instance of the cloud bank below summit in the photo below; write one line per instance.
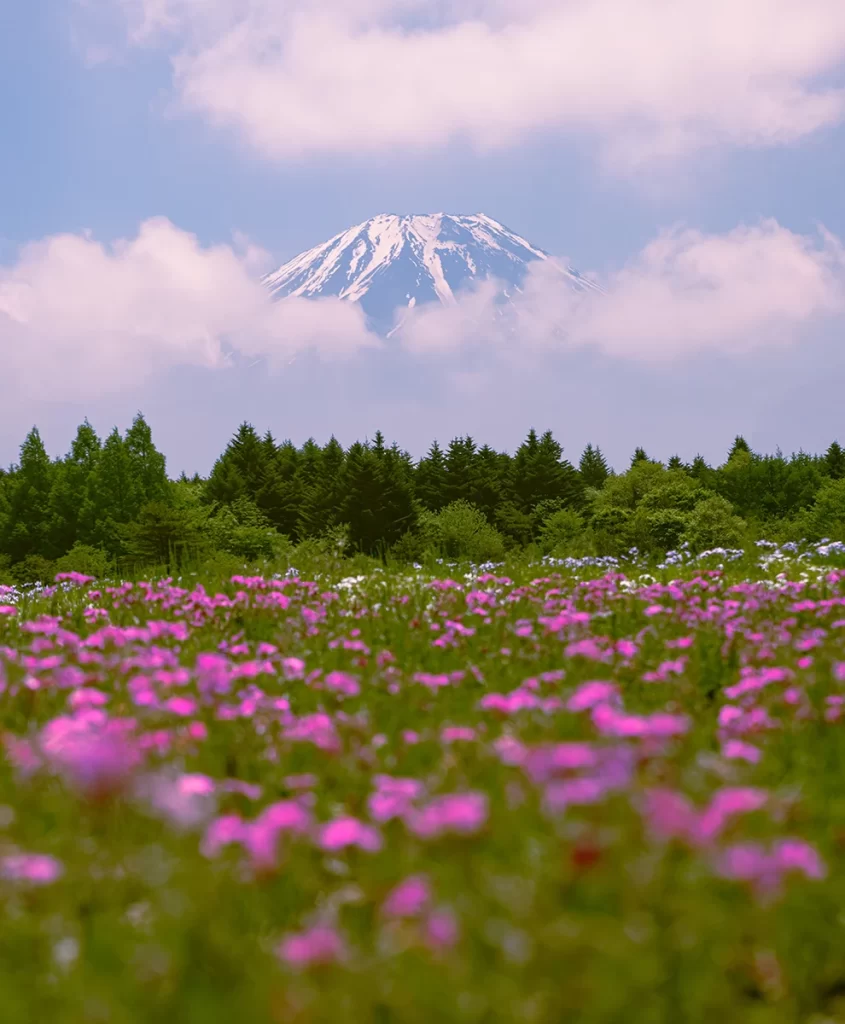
(82, 317)
(647, 81)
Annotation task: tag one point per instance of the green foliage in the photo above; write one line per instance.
(115, 497)
(559, 530)
(26, 522)
(593, 467)
(33, 569)
(713, 523)
(85, 559)
(826, 518)
(461, 531)
(241, 529)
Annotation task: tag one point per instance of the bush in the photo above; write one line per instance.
(559, 530)
(826, 517)
(461, 530)
(85, 559)
(242, 529)
(34, 569)
(713, 523)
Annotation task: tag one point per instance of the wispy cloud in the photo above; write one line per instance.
(649, 81)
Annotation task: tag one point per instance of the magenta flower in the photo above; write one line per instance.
(409, 898)
(35, 868)
(319, 945)
(96, 755)
(345, 832)
(589, 694)
(342, 683)
(441, 929)
(458, 813)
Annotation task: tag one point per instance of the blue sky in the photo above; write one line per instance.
(101, 135)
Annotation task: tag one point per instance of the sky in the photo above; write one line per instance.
(160, 155)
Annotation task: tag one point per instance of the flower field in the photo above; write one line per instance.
(567, 791)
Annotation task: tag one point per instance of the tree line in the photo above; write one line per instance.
(110, 504)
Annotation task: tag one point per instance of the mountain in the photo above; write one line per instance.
(391, 262)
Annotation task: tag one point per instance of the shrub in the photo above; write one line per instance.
(559, 530)
(85, 559)
(826, 517)
(713, 523)
(461, 530)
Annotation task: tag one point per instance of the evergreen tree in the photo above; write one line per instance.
(739, 445)
(540, 473)
(69, 510)
(492, 483)
(280, 497)
(322, 500)
(460, 470)
(165, 532)
(148, 463)
(27, 522)
(639, 456)
(241, 470)
(593, 467)
(430, 479)
(378, 445)
(378, 503)
(675, 462)
(834, 461)
(114, 496)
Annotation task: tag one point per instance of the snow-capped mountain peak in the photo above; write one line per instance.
(392, 261)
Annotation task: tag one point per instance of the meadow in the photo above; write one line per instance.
(595, 789)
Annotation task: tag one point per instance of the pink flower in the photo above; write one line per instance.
(261, 837)
(737, 750)
(342, 683)
(453, 733)
(460, 813)
(319, 945)
(36, 868)
(409, 898)
(96, 755)
(344, 832)
(442, 929)
(182, 706)
(589, 694)
(393, 797)
(221, 832)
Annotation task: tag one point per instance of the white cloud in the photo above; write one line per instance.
(754, 288)
(79, 319)
(651, 79)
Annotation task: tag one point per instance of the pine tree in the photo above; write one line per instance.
(491, 484)
(26, 528)
(114, 496)
(70, 514)
(321, 502)
(739, 445)
(593, 467)
(675, 462)
(148, 463)
(834, 461)
(378, 504)
(540, 473)
(241, 470)
(639, 456)
(378, 445)
(460, 470)
(430, 479)
(280, 497)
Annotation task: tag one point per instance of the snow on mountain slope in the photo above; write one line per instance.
(391, 262)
